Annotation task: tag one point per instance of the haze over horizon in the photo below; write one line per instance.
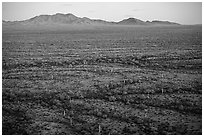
(180, 12)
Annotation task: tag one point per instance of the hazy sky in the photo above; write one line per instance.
(180, 12)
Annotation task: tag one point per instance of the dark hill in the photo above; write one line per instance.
(131, 21)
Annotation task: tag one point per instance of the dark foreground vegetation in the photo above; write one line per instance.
(117, 80)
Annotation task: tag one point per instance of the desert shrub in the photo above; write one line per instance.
(163, 128)
(15, 120)
(180, 129)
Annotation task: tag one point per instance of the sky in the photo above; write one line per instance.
(180, 12)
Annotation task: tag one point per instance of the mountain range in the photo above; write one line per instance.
(72, 19)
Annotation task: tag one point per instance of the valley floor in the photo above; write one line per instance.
(137, 81)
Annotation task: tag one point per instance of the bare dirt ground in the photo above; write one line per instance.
(114, 80)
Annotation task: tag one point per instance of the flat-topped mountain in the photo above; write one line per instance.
(72, 19)
(157, 22)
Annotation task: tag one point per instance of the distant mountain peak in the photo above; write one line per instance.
(69, 18)
(131, 21)
(59, 14)
(70, 14)
(130, 18)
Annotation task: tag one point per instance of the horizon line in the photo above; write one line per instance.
(95, 19)
(88, 17)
